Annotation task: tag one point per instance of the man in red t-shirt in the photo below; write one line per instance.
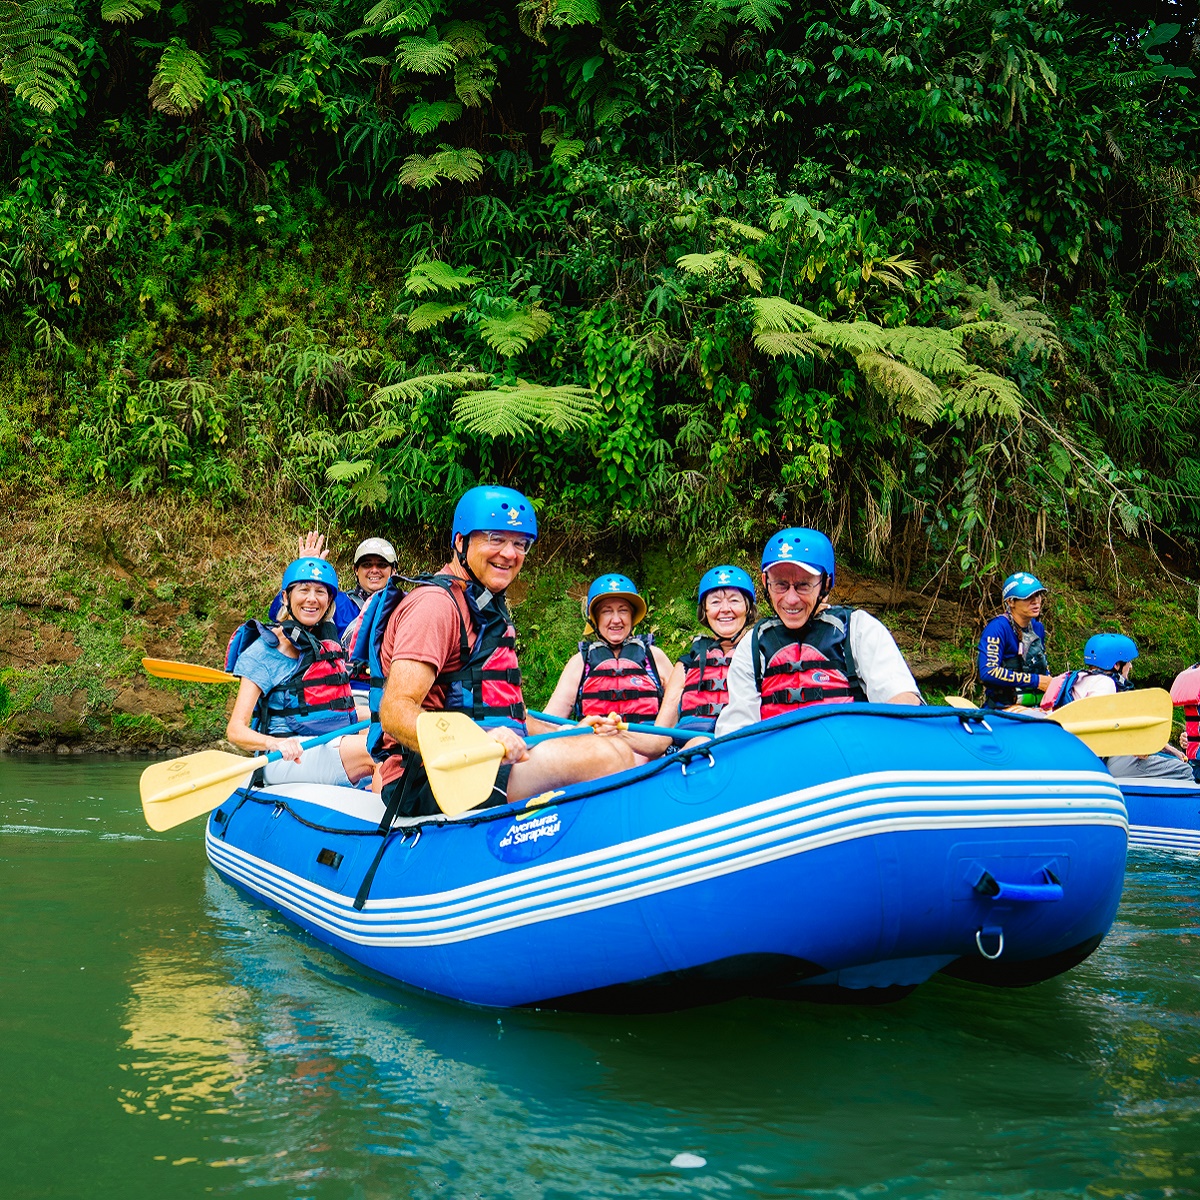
(422, 643)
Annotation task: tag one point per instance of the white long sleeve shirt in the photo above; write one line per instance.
(881, 668)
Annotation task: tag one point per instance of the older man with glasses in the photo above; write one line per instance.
(807, 654)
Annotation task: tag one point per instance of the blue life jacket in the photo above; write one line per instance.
(315, 698)
(487, 686)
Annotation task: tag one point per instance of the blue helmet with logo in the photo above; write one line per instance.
(806, 547)
(498, 508)
(1105, 650)
(310, 570)
(723, 577)
(1022, 585)
(606, 586)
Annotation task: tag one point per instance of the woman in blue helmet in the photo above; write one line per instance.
(1109, 665)
(450, 646)
(618, 671)
(296, 684)
(809, 654)
(1012, 647)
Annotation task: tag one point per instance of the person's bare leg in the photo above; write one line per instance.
(357, 762)
(557, 763)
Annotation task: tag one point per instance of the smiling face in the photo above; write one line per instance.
(308, 602)
(372, 573)
(793, 591)
(725, 610)
(613, 618)
(495, 558)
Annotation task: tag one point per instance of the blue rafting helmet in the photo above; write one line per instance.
(493, 508)
(1105, 650)
(604, 586)
(311, 569)
(724, 577)
(1022, 586)
(800, 545)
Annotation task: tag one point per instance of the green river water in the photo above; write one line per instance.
(162, 1036)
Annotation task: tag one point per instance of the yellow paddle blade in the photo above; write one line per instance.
(164, 668)
(959, 702)
(461, 760)
(1137, 722)
(182, 788)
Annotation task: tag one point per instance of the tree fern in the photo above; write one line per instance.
(513, 330)
(181, 80)
(474, 80)
(31, 63)
(759, 13)
(912, 392)
(425, 116)
(392, 16)
(420, 171)
(363, 479)
(523, 409)
(466, 37)
(706, 264)
(420, 386)
(981, 392)
(934, 351)
(438, 276)
(425, 55)
(426, 316)
(1015, 323)
(125, 11)
(534, 15)
(566, 151)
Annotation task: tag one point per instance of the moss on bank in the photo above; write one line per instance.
(88, 586)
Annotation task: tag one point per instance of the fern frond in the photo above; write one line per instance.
(391, 16)
(750, 232)
(706, 264)
(181, 80)
(775, 342)
(474, 81)
(467, 38)
(854, 337)
(425, 55)
(523, 409)
(438, 276)
(426, 316)
(932, 351)
(981, 392)
(776, 313)
(364, 480)
(759, 13)
(420, 171)
(420, 386)
(573, 12)
(512, 331)
(125, 11)
(31, 63)
(1014, 323)
(426, 115)
(566, 151)
(911, 392)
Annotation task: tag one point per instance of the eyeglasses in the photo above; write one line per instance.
(780, 588)
(495, 541)
(372, 564)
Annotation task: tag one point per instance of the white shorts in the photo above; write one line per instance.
(321, 764)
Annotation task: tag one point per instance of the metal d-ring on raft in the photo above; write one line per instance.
(849, 850)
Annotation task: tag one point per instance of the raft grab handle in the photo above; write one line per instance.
(991, 888)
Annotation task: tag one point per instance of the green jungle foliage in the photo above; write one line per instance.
(927, 273)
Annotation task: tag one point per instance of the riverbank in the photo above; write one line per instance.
(90, 585)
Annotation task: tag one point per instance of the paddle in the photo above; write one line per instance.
(461, 759)
(164, 668)
(677, 735)
(1136, 722)
(181, 788)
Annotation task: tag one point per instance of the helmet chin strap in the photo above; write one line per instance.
(484, 596)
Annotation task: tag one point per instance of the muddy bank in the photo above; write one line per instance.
(88, 587)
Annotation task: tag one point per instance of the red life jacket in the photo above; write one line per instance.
(316, 697)
(1184, 692)
(813, 665)
(487, 684)
(623, 681)
(705, 683)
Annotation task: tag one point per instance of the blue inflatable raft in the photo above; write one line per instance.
(1163, 815)
(846, 851)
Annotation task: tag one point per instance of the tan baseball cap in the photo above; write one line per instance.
(380, 546)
